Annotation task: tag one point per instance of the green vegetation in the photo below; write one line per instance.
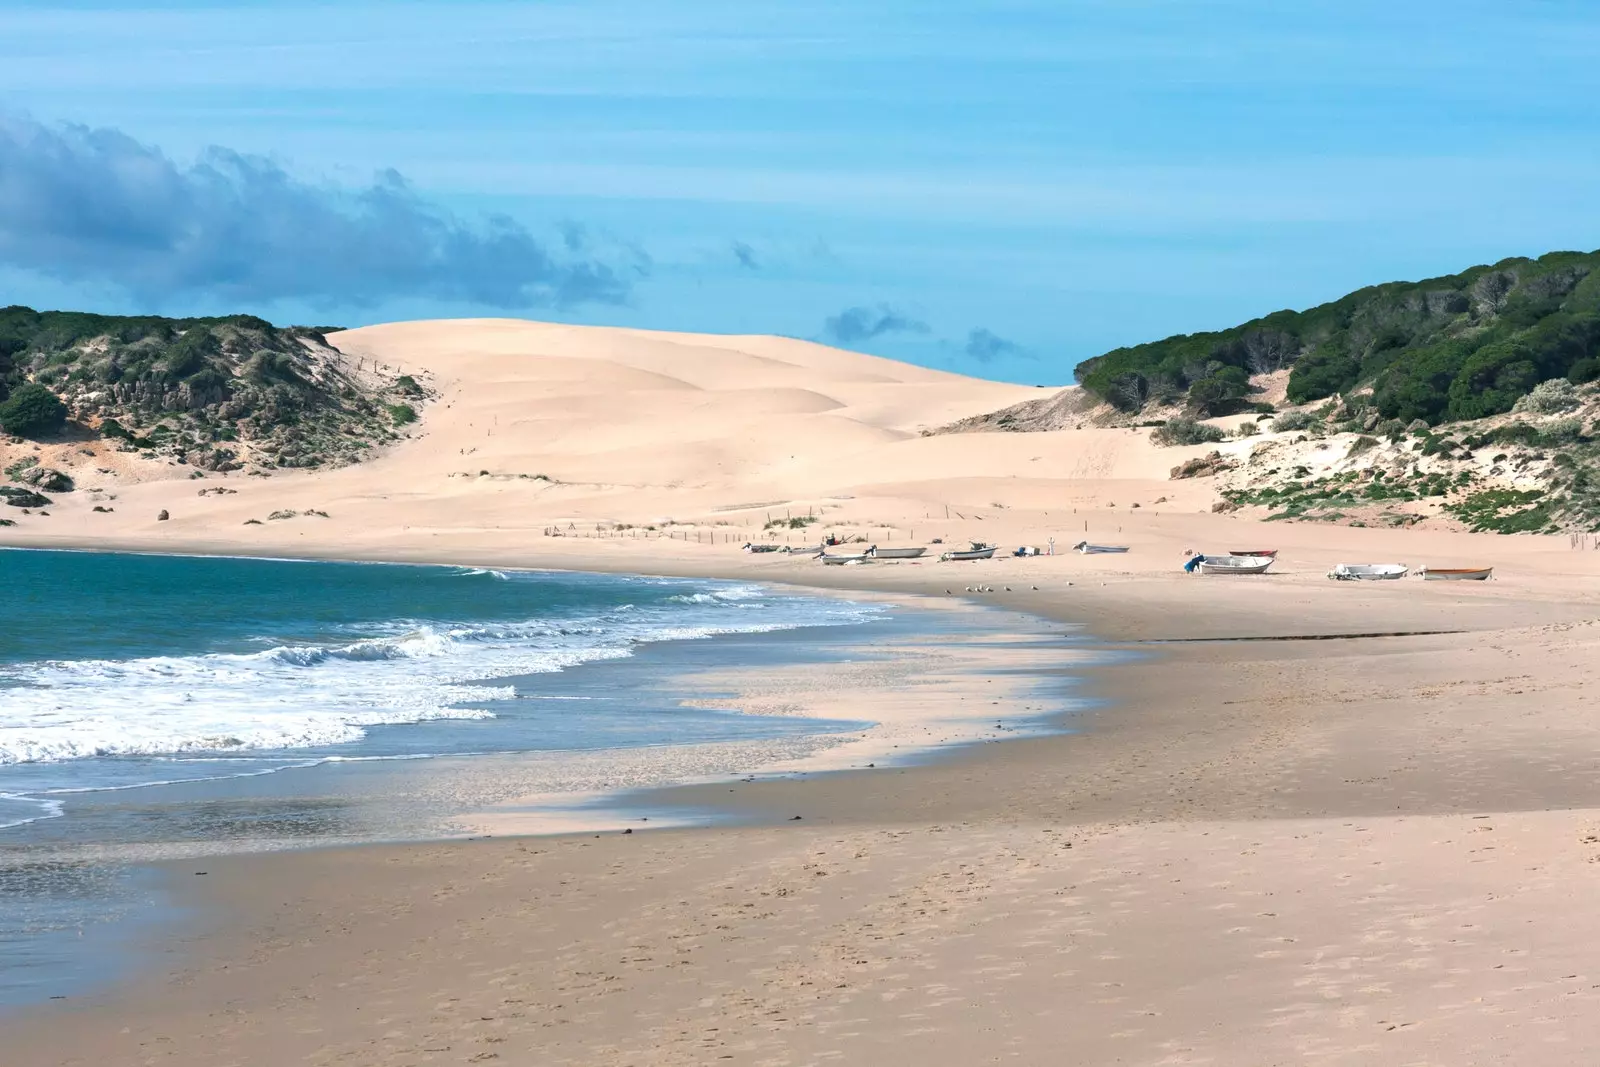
(1504, 511)
(799, 522)
(402, 414)
(192, 388)
(1186, 432)
(32, 411)
(1312, 498)
(1290, 421)
(1463, 346)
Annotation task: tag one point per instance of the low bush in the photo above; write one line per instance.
(1294, 420)
(1186, 432)
(1549, 398)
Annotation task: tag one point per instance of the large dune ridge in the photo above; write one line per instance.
(537, 426)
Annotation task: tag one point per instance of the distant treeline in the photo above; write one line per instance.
(1463, 346)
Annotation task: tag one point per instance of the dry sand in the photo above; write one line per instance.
(1370, 849)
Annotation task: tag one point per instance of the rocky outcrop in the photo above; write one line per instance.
(48, 479)
(1202, 466)
(19, 497)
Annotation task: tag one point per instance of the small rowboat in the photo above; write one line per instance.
(977, 551)
(1095, 550)
(1368, 572)
(1456, 574)
(853, 557)
(1233, 564)
(896, 553)
(1270, 553)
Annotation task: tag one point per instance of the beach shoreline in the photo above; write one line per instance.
(966, 803)
(1250, 850)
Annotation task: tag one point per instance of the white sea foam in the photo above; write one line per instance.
(18, 810)
(316, 695)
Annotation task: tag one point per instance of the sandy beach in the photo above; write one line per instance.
(1374, 842)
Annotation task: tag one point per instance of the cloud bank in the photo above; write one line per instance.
(94, 205)
(856, 324)
(986, 346)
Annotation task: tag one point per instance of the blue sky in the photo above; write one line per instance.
(1000, 188)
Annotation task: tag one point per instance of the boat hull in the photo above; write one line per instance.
(1235, 565)
(1368, 572)
(1264, 553)
(899, 553)
(1457, 574)
(956, 557)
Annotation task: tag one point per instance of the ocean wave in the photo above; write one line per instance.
(739, 594)
(313, 695)
(18, 810)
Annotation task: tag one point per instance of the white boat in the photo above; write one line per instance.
(1456, 574)
(1368, 572)
(854, 557)
(898, 553)
(1087, 549)
(979, 550)
(1234, 564)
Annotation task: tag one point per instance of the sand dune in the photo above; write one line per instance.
(536, 424)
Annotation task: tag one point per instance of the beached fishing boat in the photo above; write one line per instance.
(1087, 549)
(1230, 564)
(752, 547)
(851, 557)
(979, 550)
(898, 553)
(1456, 574)
(1368, 572)
(1270, 553)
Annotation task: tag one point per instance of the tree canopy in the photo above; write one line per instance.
(1461, 346)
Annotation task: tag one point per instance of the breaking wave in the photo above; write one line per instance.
(320, 693)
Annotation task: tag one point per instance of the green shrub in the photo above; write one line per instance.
(1186, 432)
(1393, 429)
(1559, 432)
(1516, 433)
(1324, 371)
(1220, 391)
(1290, 421)
(1549, 398)
(1503, 511)
(1247, 429)
(1585, 370)
(402, 414)
(1362, 444)
(32, 411)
